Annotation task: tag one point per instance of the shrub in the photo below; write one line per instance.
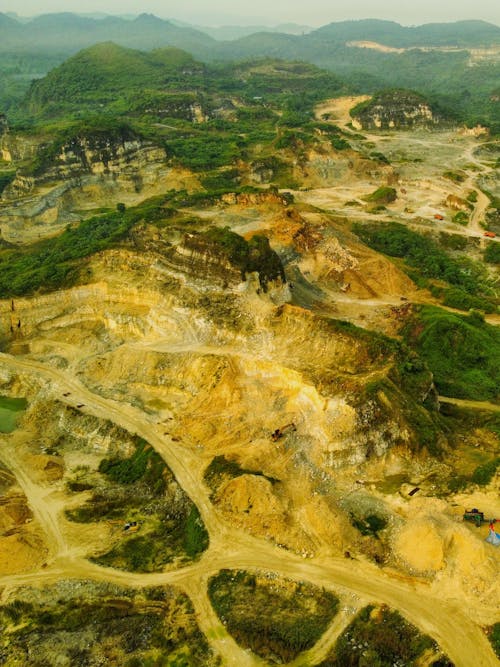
(378, 637)
(494, 637)
(492, 253)
(371, 524)
(483, 474)
(383, 195)
(461, 218)
(195, 535)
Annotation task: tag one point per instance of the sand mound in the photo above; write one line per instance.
(21, 553)
(420, 546)
(249, 501)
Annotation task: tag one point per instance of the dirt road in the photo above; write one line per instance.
(448, 621)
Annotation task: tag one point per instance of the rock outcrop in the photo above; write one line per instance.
(395, 109)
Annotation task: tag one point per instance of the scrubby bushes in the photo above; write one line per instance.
(380, 637)
(269, 615)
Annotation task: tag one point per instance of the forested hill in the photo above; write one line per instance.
(169, 82)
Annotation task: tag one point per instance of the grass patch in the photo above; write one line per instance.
(10, 409)
(273, 617)
(381, 196)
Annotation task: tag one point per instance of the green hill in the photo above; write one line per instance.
(96, 75)
(165, 82)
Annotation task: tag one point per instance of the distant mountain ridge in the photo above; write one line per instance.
(389, 33)
(67, 32)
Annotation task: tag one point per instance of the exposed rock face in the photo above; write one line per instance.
(198, 256)
(14, 147)
(457, 203)
(205, 256)
(83, 174)
(101, 155)
(394, 110)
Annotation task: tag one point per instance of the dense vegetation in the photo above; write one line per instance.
(492, 253)
(381, 637)
(426, 260)
(463, 352)
(167, 83)
(271, 616)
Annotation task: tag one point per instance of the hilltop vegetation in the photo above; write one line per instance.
(96, 75)
(463, 352)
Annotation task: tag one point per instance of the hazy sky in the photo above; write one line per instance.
(309, 12)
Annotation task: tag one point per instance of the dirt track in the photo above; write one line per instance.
(448, 621)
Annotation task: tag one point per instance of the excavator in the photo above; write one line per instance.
(281, 432)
